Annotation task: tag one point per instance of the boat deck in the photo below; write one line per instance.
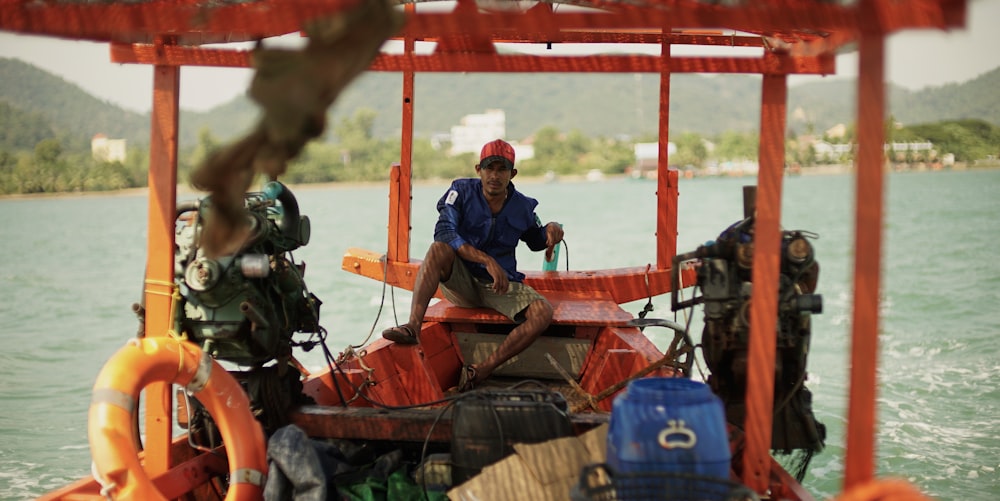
(434, 424)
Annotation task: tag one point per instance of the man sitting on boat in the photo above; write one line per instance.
(481, 221)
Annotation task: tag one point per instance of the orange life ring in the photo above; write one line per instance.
(115, 398)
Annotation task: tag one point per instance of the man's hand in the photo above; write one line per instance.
(553, 235)
(500, 282)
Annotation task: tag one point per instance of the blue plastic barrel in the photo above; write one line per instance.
(668, 425)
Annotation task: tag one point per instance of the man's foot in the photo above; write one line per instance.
(401, 334)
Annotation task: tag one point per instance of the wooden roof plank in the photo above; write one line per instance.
(199, 23)
(172, 55)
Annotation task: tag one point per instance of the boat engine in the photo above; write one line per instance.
(244, 308)
(724, 279)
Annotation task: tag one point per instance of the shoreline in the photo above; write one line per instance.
(185, 190)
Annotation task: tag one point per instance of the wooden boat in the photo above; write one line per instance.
(388, 394)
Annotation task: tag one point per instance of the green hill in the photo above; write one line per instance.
(72, 113)
(22, 130)
(615, 105)
(976, 98)
(597, 105)
(832, 102)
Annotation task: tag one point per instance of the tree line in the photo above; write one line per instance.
(356, 154)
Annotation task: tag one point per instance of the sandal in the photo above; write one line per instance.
(467, 378)
(401, 334)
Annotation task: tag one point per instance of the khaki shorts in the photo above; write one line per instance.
(467, 291)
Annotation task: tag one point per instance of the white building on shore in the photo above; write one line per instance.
(476, 130)
(107, 150)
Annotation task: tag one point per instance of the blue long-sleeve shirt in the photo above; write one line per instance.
(464, 217)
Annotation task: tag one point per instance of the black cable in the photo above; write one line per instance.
(331, 361)
(427, 440)
(381, 303)
(566, 245)
(700, 346)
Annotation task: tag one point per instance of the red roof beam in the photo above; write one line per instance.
(938, 14)
(458, 62)
(753, 17)
(617, 37)
(130, 22)
(141, 22)
(173, 55)
(490, 63)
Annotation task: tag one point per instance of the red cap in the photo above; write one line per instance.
(497, 150)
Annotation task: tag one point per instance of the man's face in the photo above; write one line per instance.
(495, 177)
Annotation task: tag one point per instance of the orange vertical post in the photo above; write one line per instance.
(764, 299)
(666, 185)
(859, 458)
(401, 178)
(159, 284)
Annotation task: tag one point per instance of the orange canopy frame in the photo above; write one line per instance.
(793, 37)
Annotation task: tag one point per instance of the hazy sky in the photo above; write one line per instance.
(916, 59)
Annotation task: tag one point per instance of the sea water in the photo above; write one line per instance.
(71, 268)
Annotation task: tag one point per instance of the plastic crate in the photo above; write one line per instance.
(487, 423)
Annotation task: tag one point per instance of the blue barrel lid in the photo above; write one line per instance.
(671, 389)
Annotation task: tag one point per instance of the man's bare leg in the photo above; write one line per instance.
(435, 269)
(538, 316)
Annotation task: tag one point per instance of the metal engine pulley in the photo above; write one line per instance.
(244, 307)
